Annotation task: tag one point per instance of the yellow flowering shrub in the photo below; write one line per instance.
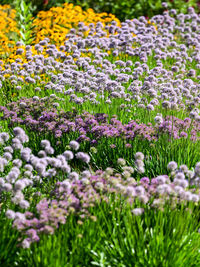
(8, 30)
(56, 22)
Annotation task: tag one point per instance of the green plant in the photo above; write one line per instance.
(131, 9)
(24, 18)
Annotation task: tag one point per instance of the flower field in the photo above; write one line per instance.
(99, 139)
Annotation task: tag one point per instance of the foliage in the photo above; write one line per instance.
(133, 9)
(121, 9)
(24, 19)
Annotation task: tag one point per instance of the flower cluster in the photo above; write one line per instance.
(99, 67)
(80, 193)
(77, 191)
(59, 21)
(8, 31)
(28, 170)
(41, 114)
(68, 85)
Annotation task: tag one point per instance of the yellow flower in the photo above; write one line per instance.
(8, 31)
(56, 22)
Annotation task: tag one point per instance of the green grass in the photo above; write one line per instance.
(165, 237)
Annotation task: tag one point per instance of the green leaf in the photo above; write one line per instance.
(22, 34)
(95, 263)
(22, 5)
(21, 17)
(23, 27)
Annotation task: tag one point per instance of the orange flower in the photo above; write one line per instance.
(63, 18)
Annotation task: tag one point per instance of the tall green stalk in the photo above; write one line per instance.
(24, 19)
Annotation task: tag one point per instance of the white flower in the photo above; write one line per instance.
(109, 171)
(12, 176)
(163, 188)
(158, 119)
(7, 187)
(197, 168)
(190, 174)
(161, 179)
(139, 156)
(99, 185)
(139, 163)
(10, 214)
(36, 98)
(126, 174)
(8, 149)
(26, 153)
(139, 190)
(17, 163)
(73, 176)
(68, 155)
(121, 162)
(45, 143)
(66, 184)
(26, 243)
(140, 169)
(66, 168)
(195, 198)
(74, 145)
(83, 156)
(85, 181)
(49, 150)
(28, 167)
(172, 166)
(180, 176)
(19, 185)
(130, 191)
(137, 211)
(62, 159)
(3, 163)
(143, 198)
(181, 182)
(179, 190)
(193, 115)
(2, 182)
(85, 174)
(187, 196)
(18, 197)
(24, 204)
(42, 154)
(4, 136)
(183, 168)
